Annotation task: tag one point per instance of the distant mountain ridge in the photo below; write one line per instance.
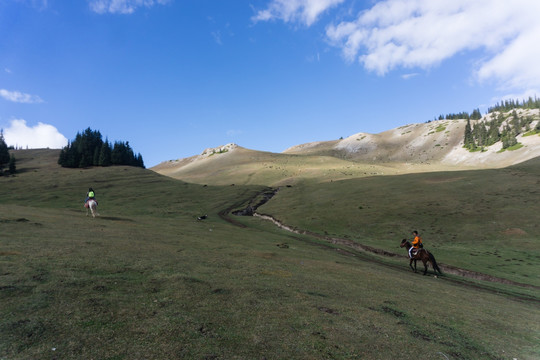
(431, 146)
(439, 141)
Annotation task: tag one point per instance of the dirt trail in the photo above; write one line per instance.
(356, 246)
(267, 195)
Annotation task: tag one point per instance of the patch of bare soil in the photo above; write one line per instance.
(514, 232)
(5, 253)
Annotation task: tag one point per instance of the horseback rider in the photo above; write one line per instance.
(416, 243)
(90, 195)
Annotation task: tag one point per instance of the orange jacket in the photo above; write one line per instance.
(416, 242)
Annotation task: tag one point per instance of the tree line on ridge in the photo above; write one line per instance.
(5, 157)
(504, 124)
(88, 149)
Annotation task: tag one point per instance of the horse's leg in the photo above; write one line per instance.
(410, 264)
(425, 266)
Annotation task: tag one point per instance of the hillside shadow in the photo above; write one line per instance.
(115, 218)
(26, 170)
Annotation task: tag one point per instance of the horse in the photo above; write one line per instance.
(420, 254)
(92, 206)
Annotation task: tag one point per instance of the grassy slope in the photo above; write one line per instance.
(146, 280)
(485, 220)
(414, 148)
(250, 167)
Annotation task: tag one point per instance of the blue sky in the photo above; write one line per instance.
(174, 77)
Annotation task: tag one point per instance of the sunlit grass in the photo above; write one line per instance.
(148, 280)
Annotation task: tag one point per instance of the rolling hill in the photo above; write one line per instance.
(146, 279)
(425, 147)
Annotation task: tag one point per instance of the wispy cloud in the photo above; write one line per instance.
(422, 34)
(39, 5)
(19, 134)
(122, 6)
(20, 97)
(217, 37)
(7, 70)
(304, 11)
(409, 76)
(314, 58)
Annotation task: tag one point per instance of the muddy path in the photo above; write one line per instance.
(357, 246)
(229, 215)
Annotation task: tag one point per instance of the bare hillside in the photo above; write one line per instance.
(436, 143)
(433, 146)
(233, 164)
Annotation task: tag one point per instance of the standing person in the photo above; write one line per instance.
(416, 243)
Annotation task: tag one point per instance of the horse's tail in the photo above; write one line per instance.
(434, 263)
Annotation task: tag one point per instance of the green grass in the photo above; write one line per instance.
(515, 147)
(511, 148)
(147, 280)
(440, 128)
(484, 221)
(532, 132)
(248, 167)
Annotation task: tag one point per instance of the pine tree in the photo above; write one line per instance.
(12, 168)
(95, 158)
(4, 151)
(105, 154)
(469, 138)
(476, 114)
(493, 133)
(480, 134)
(140, 162)
(508, 137)
(88, 149)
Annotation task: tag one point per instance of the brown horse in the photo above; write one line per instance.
(420, 254)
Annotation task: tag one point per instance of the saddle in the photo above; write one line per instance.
(413, 252)
(86, 202)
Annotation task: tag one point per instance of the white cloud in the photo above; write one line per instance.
(530, 93)
(314, 58)
(409, 76)
(20, 97)
(305, 11)
(40, 136)
(516, 65)
(7, 70)
(217, 37)
(122, 6)
(424, 33)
